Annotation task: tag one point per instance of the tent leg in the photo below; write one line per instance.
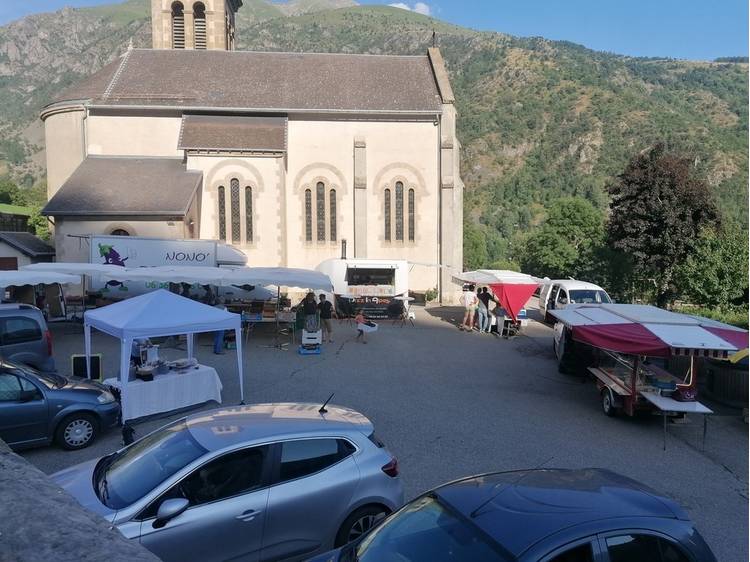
(238, 339)
(124, 375)
(87, 344)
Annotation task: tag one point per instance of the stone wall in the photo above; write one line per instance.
(39, 521)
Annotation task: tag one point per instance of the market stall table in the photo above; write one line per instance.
(667, 406)
(169, 391)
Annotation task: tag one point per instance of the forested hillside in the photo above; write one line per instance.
(539, 120)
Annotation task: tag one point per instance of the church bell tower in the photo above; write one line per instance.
(188, 24)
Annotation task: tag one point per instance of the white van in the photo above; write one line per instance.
(559, 293)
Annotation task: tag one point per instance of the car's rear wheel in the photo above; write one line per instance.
(76, 431)
(359, 523)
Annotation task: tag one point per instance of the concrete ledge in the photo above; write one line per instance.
(40, 522)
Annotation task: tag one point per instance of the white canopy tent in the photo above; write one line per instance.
(279, 276)
(492, 276)
(18, 278)
(75, 268)
(158, 314)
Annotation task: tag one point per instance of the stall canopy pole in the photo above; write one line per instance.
(238, 340)
(87, 344)
(125, 348)
(190, 345)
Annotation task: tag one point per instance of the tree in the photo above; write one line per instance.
(475, 247)
(566, 244)
(657, 211)
(715, 274)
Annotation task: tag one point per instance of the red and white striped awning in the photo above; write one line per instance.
(652, 331)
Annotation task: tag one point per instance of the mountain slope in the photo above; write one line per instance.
(538, 119)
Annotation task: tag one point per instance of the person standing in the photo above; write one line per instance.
(326, 310)
(469, 300)
(310, 309)
(485, 316)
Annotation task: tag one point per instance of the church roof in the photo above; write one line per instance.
(263, 81)
(126, 186)
(233, 133)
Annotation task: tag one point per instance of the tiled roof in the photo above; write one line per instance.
(25, 242)
(233, 133)
(260, 81)
(125, 186)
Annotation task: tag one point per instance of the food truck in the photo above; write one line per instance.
(378, 287)
(629, 350)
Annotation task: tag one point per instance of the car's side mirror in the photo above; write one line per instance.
(28, 395)
(169, 509)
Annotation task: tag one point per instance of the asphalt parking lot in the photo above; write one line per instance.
(451, 404)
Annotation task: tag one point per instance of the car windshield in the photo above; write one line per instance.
(136, 470)
(426, 530)
(50, 380)
(589, 296)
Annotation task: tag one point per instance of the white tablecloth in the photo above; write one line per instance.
(169, 392)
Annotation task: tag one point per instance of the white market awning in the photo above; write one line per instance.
(492, 276)
(24, 277)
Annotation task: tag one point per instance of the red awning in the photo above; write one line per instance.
(634, 339)
(513, 296)
(737, 338)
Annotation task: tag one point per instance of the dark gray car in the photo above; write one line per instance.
(24, 336)
(544, 515)
(39, 408)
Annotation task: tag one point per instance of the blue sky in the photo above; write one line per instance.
(688, 29)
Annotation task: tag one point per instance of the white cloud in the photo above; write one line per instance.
(418, 7)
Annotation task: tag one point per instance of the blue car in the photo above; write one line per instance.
(39, 408)
(554, 515)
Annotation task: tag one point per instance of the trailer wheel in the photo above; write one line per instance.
(608, 404)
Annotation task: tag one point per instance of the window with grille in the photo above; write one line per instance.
(235, 209)
(320, 204)
(399, 211)
(387, 215)
(222, 214)
(178, 26)
(411, 215)
(332, 219)
(248, 214)
(308, 215)
(199, 25)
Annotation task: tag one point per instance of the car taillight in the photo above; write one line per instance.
(391, 469)
(48, 337)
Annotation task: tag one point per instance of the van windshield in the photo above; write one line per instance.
(370, 276)
(589, 296)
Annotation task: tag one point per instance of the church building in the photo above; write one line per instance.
(282, 155)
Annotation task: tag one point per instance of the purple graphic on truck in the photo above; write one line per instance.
(112, 257)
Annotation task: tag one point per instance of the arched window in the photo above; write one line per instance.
(411, 215)
(399, 211)
(235, 209)
(119, 232)
(178, 25)
(387, 215)
(320, 204)
(199, 25)
(308, 215)
(222, 214)
(248, 214)
(332, 219)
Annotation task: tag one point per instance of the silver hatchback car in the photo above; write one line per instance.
(262, 482)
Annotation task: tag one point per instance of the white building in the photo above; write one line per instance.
(283, 155)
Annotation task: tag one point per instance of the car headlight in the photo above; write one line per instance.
(105, 397)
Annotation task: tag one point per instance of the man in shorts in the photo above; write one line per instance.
(327, 311)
